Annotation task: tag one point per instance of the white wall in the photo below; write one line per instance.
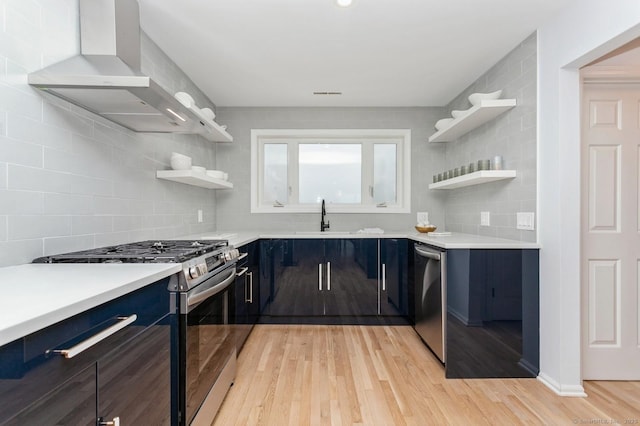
(511, 135)
(234, 207)
(583, 31)
(70, 180)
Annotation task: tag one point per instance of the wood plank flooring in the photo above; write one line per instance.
(383, 375)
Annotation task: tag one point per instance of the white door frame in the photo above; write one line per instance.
(560, 328)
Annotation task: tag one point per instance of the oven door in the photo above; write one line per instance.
(206, 346)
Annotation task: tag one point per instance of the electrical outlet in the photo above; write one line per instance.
(485, 219)
(525, 221)
(199, 216)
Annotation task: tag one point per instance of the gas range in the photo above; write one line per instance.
(200, 259)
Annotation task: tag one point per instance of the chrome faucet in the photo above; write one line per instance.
(323, 226)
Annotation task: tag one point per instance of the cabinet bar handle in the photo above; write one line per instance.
(242, 256)
(242, 272)
(320, 276)
(250, 275)
(97, 338)
(329, 276)
(384, 277)
(114, 422)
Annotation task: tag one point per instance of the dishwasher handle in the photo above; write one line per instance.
(427, 254)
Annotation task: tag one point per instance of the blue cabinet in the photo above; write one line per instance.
(492, 313)
(40, 386)
(245, 303)
(334, 281)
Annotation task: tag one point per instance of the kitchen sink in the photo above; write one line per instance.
(323, 233)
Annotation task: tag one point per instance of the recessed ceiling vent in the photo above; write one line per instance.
(327, 93)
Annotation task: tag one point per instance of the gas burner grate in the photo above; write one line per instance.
(152, 251)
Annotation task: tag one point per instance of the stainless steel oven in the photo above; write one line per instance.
(203, 349)
(206, 357)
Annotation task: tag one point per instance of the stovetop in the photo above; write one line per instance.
(152, 251)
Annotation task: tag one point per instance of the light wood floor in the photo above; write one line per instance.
(383, 375)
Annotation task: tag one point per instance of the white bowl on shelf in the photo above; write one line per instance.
(443, 123)
(180, 161)
(216, 174)
(185, 99)
(476, 98)
(459, 113)
(198, 169)
(208, 113)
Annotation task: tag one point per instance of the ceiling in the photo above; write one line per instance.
(375, 52)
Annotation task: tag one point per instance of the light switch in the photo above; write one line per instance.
(485, 219)
(199, 216)
(525, 221)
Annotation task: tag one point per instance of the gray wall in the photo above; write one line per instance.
(233, 207)
(512, 135)
(70, 180)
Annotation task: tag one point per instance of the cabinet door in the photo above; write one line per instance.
(134, 379)
(352, 290)
(72, 402)
(298, 279)
(393, 267)
(253, 284)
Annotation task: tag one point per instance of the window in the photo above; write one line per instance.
(354, 171)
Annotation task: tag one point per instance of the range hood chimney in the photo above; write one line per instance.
(106, 77)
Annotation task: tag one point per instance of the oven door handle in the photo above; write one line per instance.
(194, 299)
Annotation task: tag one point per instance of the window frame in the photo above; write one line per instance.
(401, 137)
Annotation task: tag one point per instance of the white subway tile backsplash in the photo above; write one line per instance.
(21, 202)
(31, 130)
(57, 116)
(3, 175)
(81, 225)
(19, 252)
(58, 245)
(34, 179)
(3, 228)
(68, 204)
(24, 227)
(16, 101)
(16, 152)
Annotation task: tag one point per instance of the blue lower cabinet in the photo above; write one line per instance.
(334, 281)
(492, 313)
(126, 375)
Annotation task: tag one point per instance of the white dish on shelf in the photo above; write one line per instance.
(185, 99)
(476, 98)
(443, 123)
(460, 113)
(180, 161)
(208, 113)
(216, 174)
(198, 169)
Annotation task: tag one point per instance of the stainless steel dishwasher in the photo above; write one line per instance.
(431, 297)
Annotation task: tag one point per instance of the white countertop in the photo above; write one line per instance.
(454, 241)
(35, 296)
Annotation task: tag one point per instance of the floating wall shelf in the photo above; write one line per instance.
(486, 111)
(189, 177)
(475, 178)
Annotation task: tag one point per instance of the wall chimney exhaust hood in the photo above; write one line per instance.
(106, 77)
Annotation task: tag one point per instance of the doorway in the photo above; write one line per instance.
(610, 217)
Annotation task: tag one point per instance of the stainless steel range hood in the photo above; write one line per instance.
(106, 78)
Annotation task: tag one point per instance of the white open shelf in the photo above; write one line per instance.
(189, 177)
(212, 131)
(486, 111)
(475, 178)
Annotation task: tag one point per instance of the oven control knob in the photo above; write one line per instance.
(193, 272)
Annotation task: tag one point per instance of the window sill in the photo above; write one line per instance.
(331, 209)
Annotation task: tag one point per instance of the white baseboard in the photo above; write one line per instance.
(562, 390)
